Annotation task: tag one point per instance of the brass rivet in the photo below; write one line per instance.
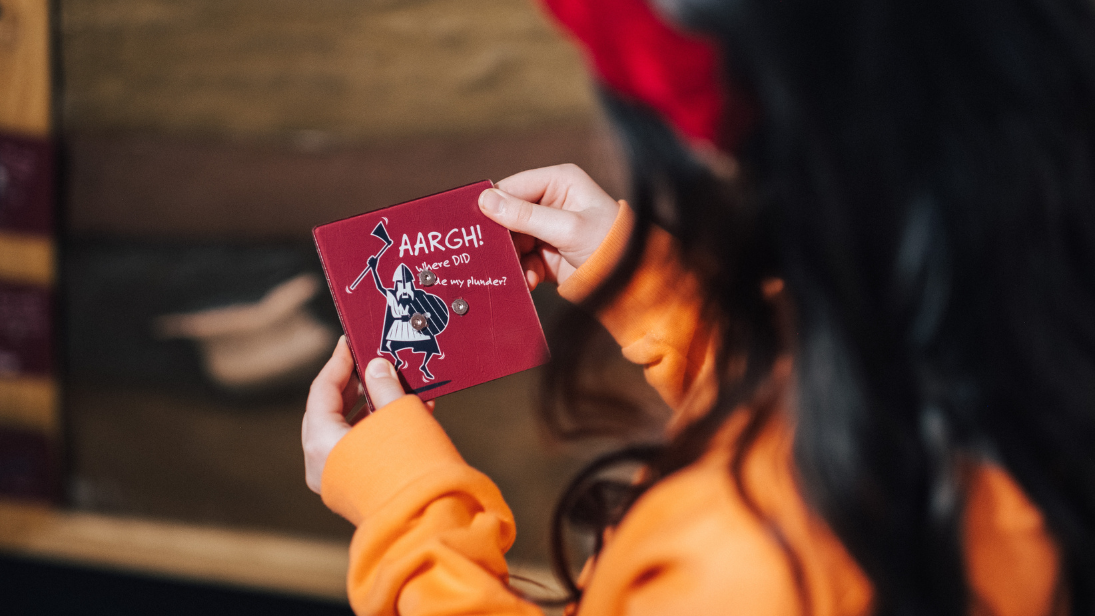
(459, 306)
(427, 278)
(418, 322)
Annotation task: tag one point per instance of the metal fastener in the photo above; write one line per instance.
(418, 322)
(427, 278)
(459, 306)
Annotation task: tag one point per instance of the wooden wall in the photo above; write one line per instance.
(262, 118)
(317, 71)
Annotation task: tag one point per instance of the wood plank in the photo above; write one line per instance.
(29, 402)
(279, 563)
(150, 185)
(314, 72)
(253, 559)
(28, 259)
(24, 67)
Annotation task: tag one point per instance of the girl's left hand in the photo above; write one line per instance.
(335, 391)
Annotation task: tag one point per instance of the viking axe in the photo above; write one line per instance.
(382, 234)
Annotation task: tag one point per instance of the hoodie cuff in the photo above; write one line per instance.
(600, 264)
(661, 295)
(381, 455)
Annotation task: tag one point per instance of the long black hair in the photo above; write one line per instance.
(922, 177)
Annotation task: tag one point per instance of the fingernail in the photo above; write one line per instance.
(342, 339)
(491, 201)
(380, 368)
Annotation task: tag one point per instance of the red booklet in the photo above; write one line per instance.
(435, 287)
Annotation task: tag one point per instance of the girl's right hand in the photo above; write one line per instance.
(558, 215)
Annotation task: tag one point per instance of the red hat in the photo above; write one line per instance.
(638, 55)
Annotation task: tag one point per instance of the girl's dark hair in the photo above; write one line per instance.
(921, 174)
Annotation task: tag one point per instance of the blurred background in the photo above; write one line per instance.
(191, 147)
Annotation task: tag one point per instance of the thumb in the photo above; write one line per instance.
(382, 383)
(545, 223)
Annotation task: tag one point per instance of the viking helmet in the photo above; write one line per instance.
(404, 275)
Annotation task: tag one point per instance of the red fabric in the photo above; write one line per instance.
(637, 54)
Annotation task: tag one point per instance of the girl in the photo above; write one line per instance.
(876, 330)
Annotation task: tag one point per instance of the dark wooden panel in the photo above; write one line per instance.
(160, 186)
(350, 68)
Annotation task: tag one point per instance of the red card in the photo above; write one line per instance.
(390, 307)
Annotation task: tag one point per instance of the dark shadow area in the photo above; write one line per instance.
(117, 288)
(47, 589)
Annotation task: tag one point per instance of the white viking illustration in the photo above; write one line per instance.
(413, 320)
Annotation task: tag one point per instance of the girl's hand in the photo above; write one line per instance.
(334, 391)
(558, 216)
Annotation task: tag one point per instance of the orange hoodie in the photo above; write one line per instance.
(432, 531)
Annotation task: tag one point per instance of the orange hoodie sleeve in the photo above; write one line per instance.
(657, 319)
(432, 531)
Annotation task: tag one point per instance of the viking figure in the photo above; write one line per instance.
(403, 321)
